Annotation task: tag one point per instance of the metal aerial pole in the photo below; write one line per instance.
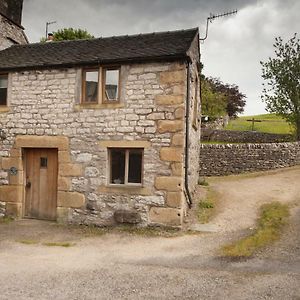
(215, 16)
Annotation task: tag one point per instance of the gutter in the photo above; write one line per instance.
(187, 132)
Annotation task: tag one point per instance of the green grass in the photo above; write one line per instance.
(206, 207)
(271, 123)
(90, 231)
(202, 181)
(273, 217)
(58, 244)
(6, 220)
(28, 242)
(217, 143)
(148, 231)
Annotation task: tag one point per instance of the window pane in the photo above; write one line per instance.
(3, 82)
(135, 166)
(111, 85)
(44, 162)
(3, 96)
(3, 90)
(117, 165)
(91, 86)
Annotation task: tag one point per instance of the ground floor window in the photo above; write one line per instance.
(126, 165)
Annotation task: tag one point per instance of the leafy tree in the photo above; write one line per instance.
(67, 34)
(213, 103)
(235, 100)
(281, 92)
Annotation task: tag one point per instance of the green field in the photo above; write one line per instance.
(270, 123)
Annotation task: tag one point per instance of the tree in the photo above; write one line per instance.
(213, 103)
(235, 100)
(67, 34)
(281, 92)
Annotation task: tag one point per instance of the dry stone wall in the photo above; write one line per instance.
(219, 160)
(232, 136)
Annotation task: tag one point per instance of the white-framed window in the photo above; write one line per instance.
(126, 166)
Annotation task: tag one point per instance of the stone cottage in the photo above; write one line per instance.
(11, 30)
(101, 131)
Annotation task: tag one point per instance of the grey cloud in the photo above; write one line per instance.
(232, 51)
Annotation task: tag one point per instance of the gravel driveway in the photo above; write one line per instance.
(123, 266)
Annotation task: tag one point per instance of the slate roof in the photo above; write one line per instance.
(171, 45)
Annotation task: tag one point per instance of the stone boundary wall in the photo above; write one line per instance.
(232, 136)
(219, 160)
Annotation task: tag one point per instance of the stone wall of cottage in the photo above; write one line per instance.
(194, 117)
(44, 110)
(10, 33)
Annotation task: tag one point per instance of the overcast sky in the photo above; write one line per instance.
(232, 51)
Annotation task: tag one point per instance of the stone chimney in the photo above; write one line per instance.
(12, 10)
(50, 37)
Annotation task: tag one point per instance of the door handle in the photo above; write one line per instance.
(28, 184)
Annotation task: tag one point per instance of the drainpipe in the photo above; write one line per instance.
(187, 132)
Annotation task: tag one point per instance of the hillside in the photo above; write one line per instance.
(269, 123)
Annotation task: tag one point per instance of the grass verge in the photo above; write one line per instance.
(58, 244)
(202, 181)
(148, 231)
(220, 143)
(273, 216)
(206, 207)
(270, 123)
(28, 242)
(90, 231)
(6, 220)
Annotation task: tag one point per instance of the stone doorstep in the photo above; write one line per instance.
(204, 228)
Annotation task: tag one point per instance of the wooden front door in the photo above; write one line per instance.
(41, 183)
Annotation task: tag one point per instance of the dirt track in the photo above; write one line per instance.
(120, 266)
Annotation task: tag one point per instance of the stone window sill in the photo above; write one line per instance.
(4, 109)
(125, 189)
(81, 106)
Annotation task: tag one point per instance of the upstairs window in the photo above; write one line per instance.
(3, 89)
(100, 85)
(90, 86)
(110, 85)
(126, 166)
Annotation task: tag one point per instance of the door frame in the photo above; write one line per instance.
(24, 149)
(66, 198)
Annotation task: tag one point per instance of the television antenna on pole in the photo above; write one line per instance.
(215, 16)
(47, 25)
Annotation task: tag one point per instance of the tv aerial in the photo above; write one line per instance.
(216, 16)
